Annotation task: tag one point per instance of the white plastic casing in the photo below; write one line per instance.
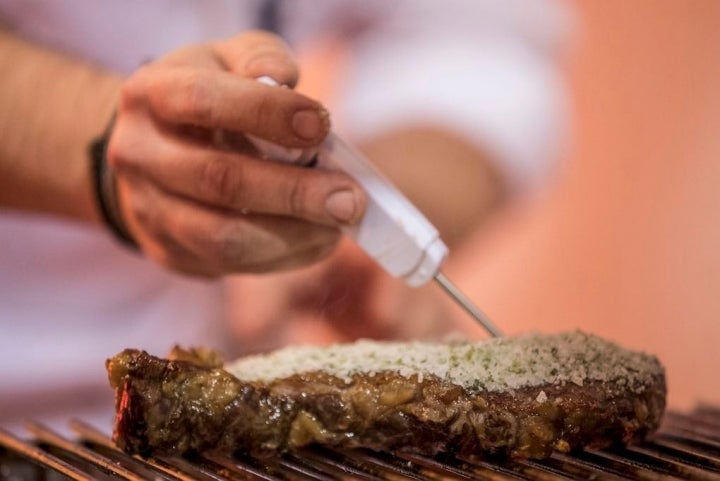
(392, 231)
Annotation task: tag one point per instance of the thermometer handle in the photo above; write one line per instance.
(392, 231)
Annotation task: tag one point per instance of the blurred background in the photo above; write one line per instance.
(622, 238)
(625, 243)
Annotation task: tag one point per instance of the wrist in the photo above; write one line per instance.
(105, 188)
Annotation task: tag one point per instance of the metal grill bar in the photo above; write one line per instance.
(709, 451)
(685, 453)
(297, 464)
(446, 469)
(39, 456)
(694, 426)
(222, 468)
(687, 447)
(99, 441)
(341, 466)
(385, 465)
(487, 470)
(579, 469)
(49, 437)
(653, 459)
(620, 466)
(599, 470)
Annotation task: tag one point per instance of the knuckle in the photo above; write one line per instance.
(118, 155)
(148, 218)
(115, 154)
(135, 89)
(140, 207)
(257, 36)
(131, 91)
(264, 113)
(219, 181)
(192, 99)
(128, 94)
(262, 42)
(297, 197)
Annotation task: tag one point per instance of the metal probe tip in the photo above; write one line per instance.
(467, 304)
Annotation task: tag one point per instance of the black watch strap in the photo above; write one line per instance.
(105, 188)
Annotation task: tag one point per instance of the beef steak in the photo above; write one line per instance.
(524, 397)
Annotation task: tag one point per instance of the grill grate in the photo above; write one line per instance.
(686, 447)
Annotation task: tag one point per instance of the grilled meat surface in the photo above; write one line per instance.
(193, 404)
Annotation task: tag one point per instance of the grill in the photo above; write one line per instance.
(687, 446)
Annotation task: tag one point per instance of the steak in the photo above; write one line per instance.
(522, 397)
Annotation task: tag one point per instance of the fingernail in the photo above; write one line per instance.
(310, 124)
(341, 205)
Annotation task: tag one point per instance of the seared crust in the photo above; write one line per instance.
(178, 406)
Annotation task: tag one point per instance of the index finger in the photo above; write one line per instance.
(256, 53)
(217, 99)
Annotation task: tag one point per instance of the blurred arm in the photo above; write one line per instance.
(455, 184)
(52, 107)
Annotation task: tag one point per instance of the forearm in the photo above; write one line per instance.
(52, 107)
(453, 183)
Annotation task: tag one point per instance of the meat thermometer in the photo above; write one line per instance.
(392, 231)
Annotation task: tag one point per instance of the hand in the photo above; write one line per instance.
(195, 194)
(341, 299)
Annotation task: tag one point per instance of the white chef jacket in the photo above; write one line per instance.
(70, 296)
